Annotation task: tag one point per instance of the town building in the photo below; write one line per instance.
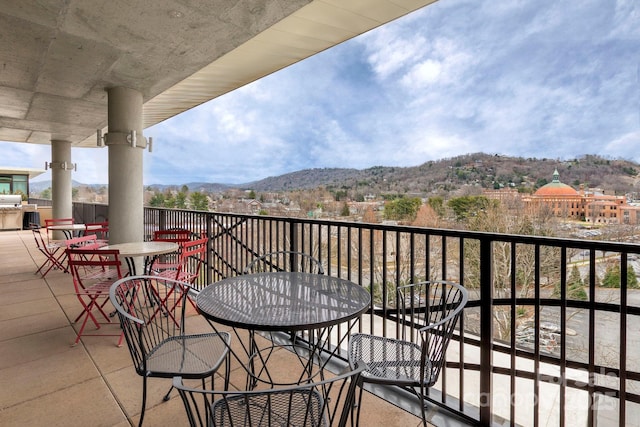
(585, 205)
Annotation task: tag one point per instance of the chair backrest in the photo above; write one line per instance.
(39, 238)
(89, 241)
(50, 222)
(100, 229)
(431, 311)
(177, 235)
(151, 310)
(323, 403)
(192, 256)
(284, 261)
(90, 267)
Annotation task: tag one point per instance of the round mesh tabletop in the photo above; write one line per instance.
(282, 301)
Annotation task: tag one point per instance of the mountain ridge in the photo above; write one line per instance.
(438, 176)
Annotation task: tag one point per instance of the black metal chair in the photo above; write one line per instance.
(427, 314)
(152, 315)
(323, 403)
(284, 261)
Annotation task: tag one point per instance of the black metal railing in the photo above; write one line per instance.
(551, 333)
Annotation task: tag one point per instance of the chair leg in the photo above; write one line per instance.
(144, 399)
(168, 395)
(355, 408)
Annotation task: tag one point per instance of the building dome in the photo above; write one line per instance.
(556, 188)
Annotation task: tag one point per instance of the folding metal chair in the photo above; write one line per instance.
(93, 272)
(50, 222)
(172, 260)
(53, 259)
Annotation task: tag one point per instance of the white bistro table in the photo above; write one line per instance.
(69, 230)
(148, 250)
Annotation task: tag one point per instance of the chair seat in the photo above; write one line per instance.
(271, 410)
(387, 360)
(183, 276)
(97, 288)
(190, 356)
(160, 266)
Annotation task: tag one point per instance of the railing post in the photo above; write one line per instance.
(209, 261)
(162, 219)
(293, 245)
(486, 331)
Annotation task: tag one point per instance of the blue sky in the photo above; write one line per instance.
(532, 78)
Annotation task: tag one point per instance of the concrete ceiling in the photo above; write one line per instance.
(57, 57)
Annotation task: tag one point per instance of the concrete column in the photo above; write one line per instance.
(61, 182)
(125, 165)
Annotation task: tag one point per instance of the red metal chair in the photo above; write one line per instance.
(93, 272)
(50, 222)
(170, 261)
(54, 260)
(90, 241)
(100, 229)
(192, 256)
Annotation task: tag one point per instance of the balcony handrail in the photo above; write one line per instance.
(496, 348)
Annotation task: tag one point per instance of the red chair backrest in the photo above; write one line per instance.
(100, 229)
(84, 242)
(191, 259)
(177, 236)
(49, 222)
(89, 266)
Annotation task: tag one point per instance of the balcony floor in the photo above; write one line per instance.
(44, 380)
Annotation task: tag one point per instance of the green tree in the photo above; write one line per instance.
(575, 286)
(184, 189)
(437, 204)
(181, 200)
(74, 193)
(402, 209)
(169, 200)
(345, 210)
(199, 201)
(612, 278)
(157, 200)
(252, 194)
(468, 206)
(340, 195)
(46, 193)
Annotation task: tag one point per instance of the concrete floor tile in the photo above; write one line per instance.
(85, 404)
(35, 323)
(31, 347)
(44, 376)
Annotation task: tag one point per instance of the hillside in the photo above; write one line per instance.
(470, 172)
(458, 173)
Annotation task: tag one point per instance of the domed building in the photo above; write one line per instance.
(590, 206)
(563, 200)
(556, 188)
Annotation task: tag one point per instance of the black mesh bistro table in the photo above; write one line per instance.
(283, 302)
